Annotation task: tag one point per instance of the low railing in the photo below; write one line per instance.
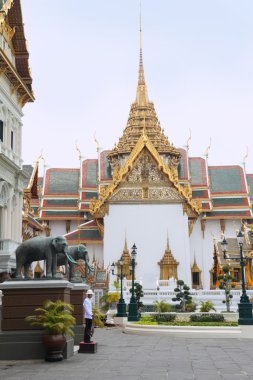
(10, 154)
(8, 245)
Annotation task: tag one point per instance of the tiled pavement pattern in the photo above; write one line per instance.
(123, 356)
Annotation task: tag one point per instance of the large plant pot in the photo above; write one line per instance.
(54, 345)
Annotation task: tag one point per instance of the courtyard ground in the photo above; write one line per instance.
(124, 356)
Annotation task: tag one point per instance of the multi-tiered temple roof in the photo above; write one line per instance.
(213, 192)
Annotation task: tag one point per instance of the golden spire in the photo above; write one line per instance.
(168, 244)
(195, 267)
(142, 93)
(142, 120)
(125, 246)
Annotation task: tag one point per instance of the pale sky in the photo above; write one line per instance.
(84, 55)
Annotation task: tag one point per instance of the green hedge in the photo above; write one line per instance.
(207, 318)
(164, 317)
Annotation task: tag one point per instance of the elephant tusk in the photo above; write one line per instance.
(71, 259)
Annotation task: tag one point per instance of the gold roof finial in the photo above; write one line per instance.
(245, 158)
(207, 149)
(142, 93)
(168, 244)
(188, 140)
(125, 246)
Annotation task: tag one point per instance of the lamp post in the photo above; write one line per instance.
(245, 307)
(121, 305)
(133, 308)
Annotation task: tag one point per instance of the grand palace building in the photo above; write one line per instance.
(144, 190)
(15, 92)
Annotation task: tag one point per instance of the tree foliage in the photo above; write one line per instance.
(226, 283)
(182, 295)
(109, 298)
(138, 293)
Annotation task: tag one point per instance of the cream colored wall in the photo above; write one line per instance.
(147, 227)
(202, 245)
(11, 178)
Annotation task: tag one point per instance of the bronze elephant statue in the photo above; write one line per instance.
(75, 252)
(40, 248)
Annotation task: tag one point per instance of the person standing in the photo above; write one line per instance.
(88, 331)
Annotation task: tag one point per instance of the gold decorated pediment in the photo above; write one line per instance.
(145, 175)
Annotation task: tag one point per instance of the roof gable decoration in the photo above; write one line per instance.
(98, 207)
(4, 8)
(5, 29)
(13, 54)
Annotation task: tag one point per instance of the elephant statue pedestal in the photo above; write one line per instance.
(18, 339)
(77, 296)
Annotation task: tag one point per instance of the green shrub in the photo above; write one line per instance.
(55, 317)
(206, 306)
(164, 317)
(98, 317)
(207, 318)
(147, 319)
(190, 307)
(162, 306)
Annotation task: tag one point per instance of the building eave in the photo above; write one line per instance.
(17, 82)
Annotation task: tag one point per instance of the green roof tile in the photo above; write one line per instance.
(60, 202)
(198, 171)
(230, 202)
(250, 183)
(226, 179)
(62, 181)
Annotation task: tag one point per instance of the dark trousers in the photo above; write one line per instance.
(88, 330)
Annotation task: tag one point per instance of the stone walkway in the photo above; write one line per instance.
(124, 356)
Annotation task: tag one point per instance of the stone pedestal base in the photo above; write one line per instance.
(18, 339)
(245, 314)
(27, 345)
(79, 334)
(120, 321)
(21, 298)
(77, 295)
(87, 348)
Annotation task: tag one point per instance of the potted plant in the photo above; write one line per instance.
(57, 320)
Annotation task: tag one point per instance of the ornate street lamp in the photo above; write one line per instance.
(245, 307)
(133, 308)
(121, 305)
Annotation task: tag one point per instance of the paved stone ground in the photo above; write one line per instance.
(124, 356)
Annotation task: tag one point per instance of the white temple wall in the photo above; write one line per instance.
(147, 226)
(96, 251)
(11, 177)
(58, 227)
(230, 228)
(196, 247)
(213, 229)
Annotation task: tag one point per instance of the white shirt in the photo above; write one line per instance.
(87, 308)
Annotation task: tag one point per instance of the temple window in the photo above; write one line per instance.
(237, 275)
(213, 279)
(196, 275)
(12, 140)
(168, 265)
(195, 278)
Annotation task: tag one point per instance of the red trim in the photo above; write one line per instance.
(185, 163)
